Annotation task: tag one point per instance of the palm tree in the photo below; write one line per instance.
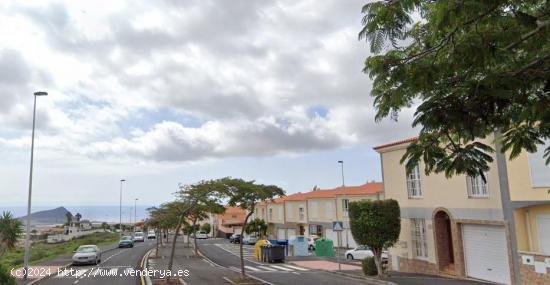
(78, 216)
(10, 229)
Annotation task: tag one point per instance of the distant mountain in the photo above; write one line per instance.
(53, 216)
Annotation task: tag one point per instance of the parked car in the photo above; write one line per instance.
(362, 252)
(87, 254)
(126, 241)
(151, 235)
(138, 236)
(235, 238)
(202, 235)
(250, 240)
(311, 242)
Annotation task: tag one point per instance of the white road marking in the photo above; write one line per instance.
(296, 267)
(267, 268)
(251, 268)
(281, 268)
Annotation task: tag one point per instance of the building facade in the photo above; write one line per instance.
(459, 226)
(312, 213)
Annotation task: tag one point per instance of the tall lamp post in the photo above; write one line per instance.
(342, 164)
(28, 230)
(120, 222)
(135, 211)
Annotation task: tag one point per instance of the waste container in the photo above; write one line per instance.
(324, 247)
(258, 248)
(276, 253)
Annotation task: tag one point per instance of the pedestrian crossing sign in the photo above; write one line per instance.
(337, 226)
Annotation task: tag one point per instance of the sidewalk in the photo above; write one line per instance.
(200, 271)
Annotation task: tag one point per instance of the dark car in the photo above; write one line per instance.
(126, 241)
(235, 238)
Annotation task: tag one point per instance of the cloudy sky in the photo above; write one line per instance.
(176, 91)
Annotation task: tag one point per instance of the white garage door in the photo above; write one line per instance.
(486, 253)
(543, 229)
(281, 234)
(329, 234)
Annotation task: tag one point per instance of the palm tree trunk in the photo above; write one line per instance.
(243, 273)
(172, 251)
(157, 241)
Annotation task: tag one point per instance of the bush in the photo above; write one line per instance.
(369, 267)
(5, 276)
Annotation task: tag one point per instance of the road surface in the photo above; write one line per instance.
(115, 268)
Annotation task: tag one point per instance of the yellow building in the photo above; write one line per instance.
(463, 226)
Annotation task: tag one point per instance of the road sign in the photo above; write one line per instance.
(337, 226)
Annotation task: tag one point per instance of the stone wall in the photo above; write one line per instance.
(415, 266)
(528, 274)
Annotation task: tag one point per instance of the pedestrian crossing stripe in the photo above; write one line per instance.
(297, 268)
(267, 268)
(281, 268)
(271, 268)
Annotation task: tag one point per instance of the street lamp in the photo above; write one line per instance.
(342, 163)
(28, 231)
(120, 222)
(135, 211)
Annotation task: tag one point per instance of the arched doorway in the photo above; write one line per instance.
(444, 242)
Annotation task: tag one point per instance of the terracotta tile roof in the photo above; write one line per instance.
(409, 140)
(365, 189)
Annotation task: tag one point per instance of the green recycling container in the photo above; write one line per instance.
(324, 247)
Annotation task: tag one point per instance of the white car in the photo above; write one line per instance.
(202, 235)
(87, 254)
(311, 242)
(138, 236)
(362, 252)
(151, 235)
(250, 240)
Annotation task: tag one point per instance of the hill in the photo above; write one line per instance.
(53, 216)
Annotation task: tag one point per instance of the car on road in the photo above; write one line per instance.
(151, 235)
(362, 252)
(202, 235)
(138, 236)
(235, 238)
(87, 254)
(126, 241)
(250, 240)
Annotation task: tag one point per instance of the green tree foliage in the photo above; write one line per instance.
(246, 194)
(473, 67)
(375, 224)
(257, 226)
(5, 276)
(206, 227)
(10, 229)
(369, 266)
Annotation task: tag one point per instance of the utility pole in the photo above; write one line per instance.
(28, 226)
(120, 208)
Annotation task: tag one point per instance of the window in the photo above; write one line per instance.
(413, 183)
(263, 214)
(271, 213)
(419, 242)
(476, 186)
(301, 213)
(316, 230)
(313, 209)
(345, 207)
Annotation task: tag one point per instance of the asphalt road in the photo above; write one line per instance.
(115, 268)
(223, 253)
